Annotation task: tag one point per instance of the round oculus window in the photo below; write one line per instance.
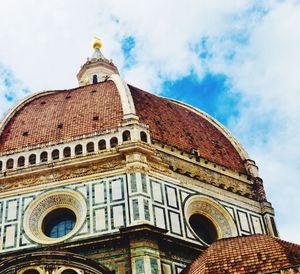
(204, 228)
(55, 216)
(208, 219)
(59, 223)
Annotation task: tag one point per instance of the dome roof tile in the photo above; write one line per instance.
(64, 114)
(177, 126)
(246, 254)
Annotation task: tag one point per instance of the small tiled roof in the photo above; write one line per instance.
(177, 126)
(246, 254)
(62, 115)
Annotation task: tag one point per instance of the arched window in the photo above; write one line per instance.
(204, 228)
(44, 156)
(32, 159)
(90, 147)
(126, 136)
(78, 150)
(59, 222)
(10, 164)
(67, 152)
(55, 154)
(31, 271)
(1, 165)
(95, 79)
(113, 142)
(21, 161)
(69, 271)
(143, 137)
(102, 145)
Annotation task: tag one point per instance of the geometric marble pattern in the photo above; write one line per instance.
(119, 201)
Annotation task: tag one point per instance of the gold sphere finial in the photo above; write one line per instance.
(97, 43)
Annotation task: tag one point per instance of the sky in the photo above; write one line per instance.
(237, 60)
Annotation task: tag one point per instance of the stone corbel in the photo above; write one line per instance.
(252, 168)
(260, 191)
(141, 157)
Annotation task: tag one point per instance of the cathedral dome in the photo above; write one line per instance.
(106, 168)
(247, 254)
(58, 116)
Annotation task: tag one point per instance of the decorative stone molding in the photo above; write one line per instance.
(46, 203)
(40, 270)
(216, 213)
(252, 168)
(51, 262)
(134, 131)
(58, 172)
(260, 191)
(211, 177)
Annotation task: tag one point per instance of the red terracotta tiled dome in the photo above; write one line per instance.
(63, 114)
(60, 115)
(176, 125)
(246, 254)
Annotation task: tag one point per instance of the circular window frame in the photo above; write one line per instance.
(212, 210)
(213, 222)
(50, 218)
(38, 209)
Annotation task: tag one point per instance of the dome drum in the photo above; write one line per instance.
(105, 106)
(89, 145)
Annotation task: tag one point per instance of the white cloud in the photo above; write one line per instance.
(11, 91)
(44, 43)
(266, 73)
(167, 32)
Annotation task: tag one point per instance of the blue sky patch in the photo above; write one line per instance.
(211, 94)
(13, 90)
(128, 44)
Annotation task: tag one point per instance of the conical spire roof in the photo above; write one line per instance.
(97, 55)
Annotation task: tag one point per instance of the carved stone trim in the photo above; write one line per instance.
(59, 172)
(47, 202)
(51, 262)
(211, 177)
(222, 220)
